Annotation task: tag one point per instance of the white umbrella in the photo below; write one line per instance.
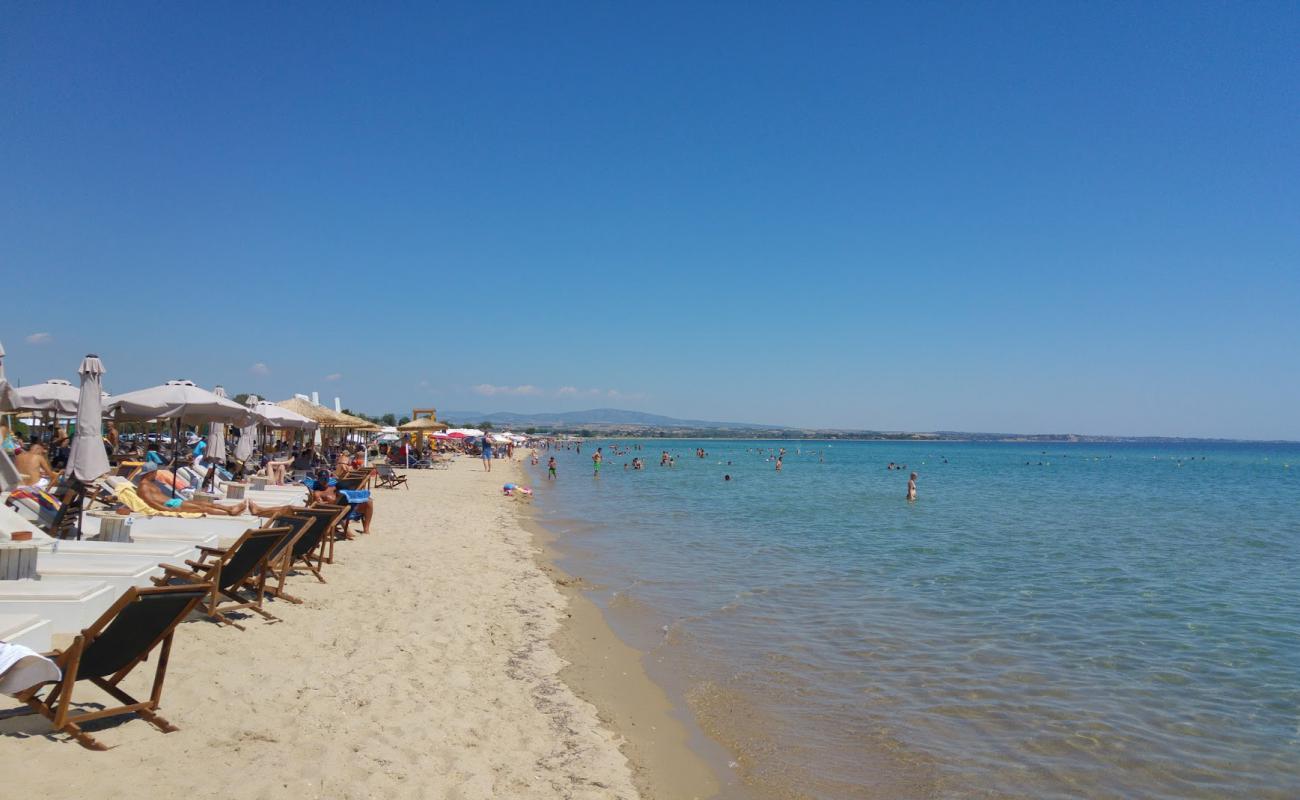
(217, 435)
(276, 416)
(88, 461)
(180, 402)
(54, 395)
(244, 447)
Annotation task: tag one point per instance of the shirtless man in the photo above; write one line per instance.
(153, 495)
(330, 496)
(35, 467)
(911, 487)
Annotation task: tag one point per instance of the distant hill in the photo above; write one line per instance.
(597, 417)
(615, 421)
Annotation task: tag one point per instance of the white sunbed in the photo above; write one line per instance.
(28, 630)
(69, 605)
(171, 551)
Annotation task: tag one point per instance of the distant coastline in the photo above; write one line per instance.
(607, 422)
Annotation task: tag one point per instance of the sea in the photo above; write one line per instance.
(1044, 620)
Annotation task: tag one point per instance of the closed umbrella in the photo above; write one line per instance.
(9, 477)
(8, 395)
(244, 447)
(217, 435)
(88, 461)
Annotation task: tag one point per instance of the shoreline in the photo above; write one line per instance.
(663, 747)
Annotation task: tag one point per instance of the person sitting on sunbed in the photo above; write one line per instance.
(325, 493)
(154, 455)
(34, 467)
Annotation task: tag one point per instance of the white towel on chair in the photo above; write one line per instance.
(22, 668)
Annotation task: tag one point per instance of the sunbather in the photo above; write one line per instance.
(156, 498)
(34, 467)
(324, 493)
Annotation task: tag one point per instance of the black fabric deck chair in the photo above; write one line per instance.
(298, 548)
(353, 482)
(104, 653)
(333, 522)
(227, 572)
(388, 477)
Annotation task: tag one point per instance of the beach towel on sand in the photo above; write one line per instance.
(22, 668)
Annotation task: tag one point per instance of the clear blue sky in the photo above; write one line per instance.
(1017, 217)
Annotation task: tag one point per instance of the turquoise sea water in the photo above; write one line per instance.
(1045, 621)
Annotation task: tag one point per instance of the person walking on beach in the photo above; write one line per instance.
(911, 488)
(550, 468)
(487, 454)
(596, 458)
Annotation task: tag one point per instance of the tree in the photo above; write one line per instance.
(530, 431)
(242, 398)
(391, 419)
(402, 421)
(486, 426)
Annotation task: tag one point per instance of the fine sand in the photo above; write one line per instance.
(424, 668)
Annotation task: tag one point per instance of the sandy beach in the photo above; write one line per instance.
(424, 668)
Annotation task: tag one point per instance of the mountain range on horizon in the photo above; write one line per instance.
(623, 420)
(597, 416)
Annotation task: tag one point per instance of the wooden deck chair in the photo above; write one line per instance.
(228, 571)
(104, 653)
(300, 549)
(388, 478)
(279, 562)
(332, 517)
(354, 481)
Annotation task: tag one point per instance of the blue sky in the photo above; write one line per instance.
(1017, 217)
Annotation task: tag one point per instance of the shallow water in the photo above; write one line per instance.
(1046, 621)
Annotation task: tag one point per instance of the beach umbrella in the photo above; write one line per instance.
(55, 395)
(88, 461)
(8, 395)
(244, 447)
(217, 435)
(275, 415)
(423, 424)
(178, 402)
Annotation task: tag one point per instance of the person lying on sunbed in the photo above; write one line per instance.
(156, 498)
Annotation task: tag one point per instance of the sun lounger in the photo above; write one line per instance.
(228, 571)
(108, 526)
(388, 478)
(106, 652)
(28, 630)
(69, 605)
(334, 518)
(120, 571)
(305, 533)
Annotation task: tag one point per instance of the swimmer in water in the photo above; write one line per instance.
(911, 488)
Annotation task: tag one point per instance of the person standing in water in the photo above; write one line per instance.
(911, 488)
(596, 458)
(550, 469)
